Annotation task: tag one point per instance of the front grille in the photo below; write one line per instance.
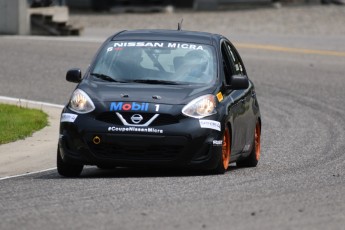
(129, 152)
(162, 119)
(109, 117)
(165, 119)
(138, 147)
(146, 117)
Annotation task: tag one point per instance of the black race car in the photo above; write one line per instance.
(161, 98)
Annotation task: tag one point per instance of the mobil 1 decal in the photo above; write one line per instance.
(134, 107)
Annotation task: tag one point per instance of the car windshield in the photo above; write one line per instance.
(156, 62)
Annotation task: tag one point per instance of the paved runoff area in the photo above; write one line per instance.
(33, 153)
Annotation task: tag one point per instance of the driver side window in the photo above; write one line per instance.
(228, 64)
(238, 67)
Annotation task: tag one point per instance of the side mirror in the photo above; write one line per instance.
(74, 75)
(239, 82)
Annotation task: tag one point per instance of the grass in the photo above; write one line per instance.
(18, 122)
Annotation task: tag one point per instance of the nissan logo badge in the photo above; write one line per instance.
(136, 118)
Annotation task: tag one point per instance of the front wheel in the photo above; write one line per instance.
(223, 163)
(66, 169)
(254, 156)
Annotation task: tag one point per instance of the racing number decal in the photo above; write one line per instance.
(157, 108)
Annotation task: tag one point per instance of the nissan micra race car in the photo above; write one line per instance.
(161, 98)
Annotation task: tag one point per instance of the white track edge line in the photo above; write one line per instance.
(13, 99)
(26, 174)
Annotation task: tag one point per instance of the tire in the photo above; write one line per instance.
(224, 161)
(66, 169)
(254, 156)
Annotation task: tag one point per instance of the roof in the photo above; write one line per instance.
(167, 35)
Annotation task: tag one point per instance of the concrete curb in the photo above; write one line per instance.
(35, 153)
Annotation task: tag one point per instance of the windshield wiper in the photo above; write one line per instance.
(163, 82)
(106, 77)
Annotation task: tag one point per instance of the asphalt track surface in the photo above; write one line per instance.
(298, 184)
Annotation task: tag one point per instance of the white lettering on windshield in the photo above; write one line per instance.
(185, 46)
(173, 45)
(139, 44)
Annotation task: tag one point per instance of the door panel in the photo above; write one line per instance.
(238, 108)
(248, 120)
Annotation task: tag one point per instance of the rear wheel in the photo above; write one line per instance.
(67, 169)
(223, 163)
(254, 157)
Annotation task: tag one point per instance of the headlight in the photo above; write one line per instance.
(80, 102)
(201, 107)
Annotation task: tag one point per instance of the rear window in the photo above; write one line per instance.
(184, 63)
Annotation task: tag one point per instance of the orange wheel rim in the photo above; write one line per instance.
(257, 141)
(226, 148)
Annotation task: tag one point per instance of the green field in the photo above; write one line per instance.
(18, 122)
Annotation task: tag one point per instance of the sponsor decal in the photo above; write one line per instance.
(217, 142)
(112, 48)
(210, 124)
(246, 148)
(172, 45)
(220, 96)
(68, 117)
(134, 129)
(237, 67)
(129, 106)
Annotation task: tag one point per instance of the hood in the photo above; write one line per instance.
(151, 93)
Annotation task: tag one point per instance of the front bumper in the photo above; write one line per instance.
(182, 144)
